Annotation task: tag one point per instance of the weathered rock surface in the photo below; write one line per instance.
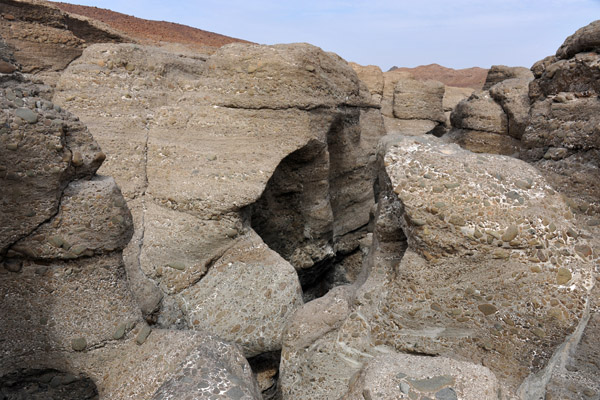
(453, 96)
(70, 326)
(562, 137)
(491, 224)
(408, 106)
(480, 113)
(42, 37)
(586, 39)
(191, 142)
(500, 73)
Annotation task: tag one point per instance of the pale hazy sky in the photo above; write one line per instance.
(453, 33)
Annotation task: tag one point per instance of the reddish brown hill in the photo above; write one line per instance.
(150, 31)
(468, 77)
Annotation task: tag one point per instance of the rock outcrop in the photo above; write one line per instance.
(70, 326)
(563, 138)
(276, 140)
(500, 73)
(494, 119)
(491, 224)
(408, 106)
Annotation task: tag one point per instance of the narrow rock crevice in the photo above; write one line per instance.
(315, 207)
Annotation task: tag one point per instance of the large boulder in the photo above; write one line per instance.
(500, 73)
(521, 269)
(70, 326)
(480, 113)
(275, 140)
(586, 39)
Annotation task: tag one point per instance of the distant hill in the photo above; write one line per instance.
(148, 31)
(468, 77)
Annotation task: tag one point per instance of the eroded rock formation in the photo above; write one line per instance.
(70, 326)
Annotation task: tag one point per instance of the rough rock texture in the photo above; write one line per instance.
(563, 138)
(500, 73)
(403, 376)
(43, 37)
(419, 100)
(513, 97)
(586, 39)
(480, 113)
(202, 148)
(522, 268)
(453, 96)
(409, 106)
(70, 326)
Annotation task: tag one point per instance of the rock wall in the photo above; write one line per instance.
(522, 271)
(70, 326)
(409, 106)
(277, 140)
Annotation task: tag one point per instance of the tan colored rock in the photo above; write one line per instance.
(205, 149)
(500, 73)
(419, 100)
(513, 96)
(584, 40)
(70, 325)
(450, 208)
(480, 113)
(372, 76)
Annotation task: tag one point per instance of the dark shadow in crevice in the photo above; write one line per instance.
(315, 207)
(265, 368)
(46, 384)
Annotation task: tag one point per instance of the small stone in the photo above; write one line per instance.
(436, 307)
(487, 309)
(510, 233)
(451, 185)
(13, 265)
(538, 332)
(26, 114)
(593, 222)
(6, 68)
(589, 392)
(432, 384)
(12, 146)
(143, 335)
(563, 276)
(177, 265)
(120, 331)
(79, 344)
(501, 254)
(571, 233)
(523, 185)
(446, 394)
(404, 388)
(418, 222)
(231, 233)
(99, 157)
(310, 68)
(457, 220)
(583, 250)
(129, 67)
(77, 160)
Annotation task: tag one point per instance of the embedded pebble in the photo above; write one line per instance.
(26, 114)
(79, 344)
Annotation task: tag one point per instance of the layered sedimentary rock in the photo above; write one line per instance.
(70, 326)
(409, 106)
(277, 140)
(494, 119)
(44, 38)
(563, 137)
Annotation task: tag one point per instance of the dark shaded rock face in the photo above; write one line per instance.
(46, 385)
(500, 73)
(563, 135)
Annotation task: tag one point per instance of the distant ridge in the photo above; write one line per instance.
(148, 31)
(468, 77)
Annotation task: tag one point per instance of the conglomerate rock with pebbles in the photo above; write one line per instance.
(70, 326)
(521, 272)
(207, 150)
